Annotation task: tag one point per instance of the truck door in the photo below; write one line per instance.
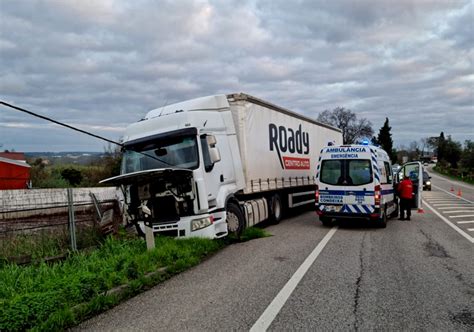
(414, 170)
(218, 173)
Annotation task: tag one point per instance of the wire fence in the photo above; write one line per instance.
(48, 222)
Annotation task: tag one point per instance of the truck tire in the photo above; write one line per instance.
(235, 219)
(276, 209)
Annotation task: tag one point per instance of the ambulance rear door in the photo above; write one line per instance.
(414, 170)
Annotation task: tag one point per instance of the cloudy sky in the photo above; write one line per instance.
(100, 65)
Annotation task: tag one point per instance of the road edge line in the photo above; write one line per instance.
(458, 197)
(456, 228)
(455, 182)
(267, 317)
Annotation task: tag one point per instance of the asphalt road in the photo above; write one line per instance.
(413, 275)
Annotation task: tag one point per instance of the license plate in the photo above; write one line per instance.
(332, 208)
(349, 199)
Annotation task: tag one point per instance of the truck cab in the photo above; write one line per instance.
(177, 165)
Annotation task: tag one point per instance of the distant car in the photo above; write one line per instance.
(395, 168)
(425, 163)
(426, 181)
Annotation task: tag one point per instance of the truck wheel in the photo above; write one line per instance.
(235, 219)
(276, 209)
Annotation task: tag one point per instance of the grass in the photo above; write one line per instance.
(447, 173)
(57, 296)
(46, 243)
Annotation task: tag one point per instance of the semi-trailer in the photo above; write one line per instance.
(218, 164)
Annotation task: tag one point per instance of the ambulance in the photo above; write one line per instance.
(357, 182)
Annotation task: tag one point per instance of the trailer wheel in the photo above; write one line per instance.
(276, 209)
(235, 219)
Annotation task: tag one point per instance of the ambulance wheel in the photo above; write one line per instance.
(235, 219)
(326, 222)
(276, 209)
(383, 221)
(394, 214)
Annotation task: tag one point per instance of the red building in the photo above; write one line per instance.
(14, 171)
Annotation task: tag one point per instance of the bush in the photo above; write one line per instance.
(72, 175)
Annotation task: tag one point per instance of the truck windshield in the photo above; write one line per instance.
(346, 172)
(171, 152)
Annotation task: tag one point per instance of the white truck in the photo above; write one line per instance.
(219, 164)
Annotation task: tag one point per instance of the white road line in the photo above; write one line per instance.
(462, 216)
(446, 206)
(275, 306)
(447, 201)
(470, 229)
(456, 228)
(458, 211)
(455, 207)
(465, 222)
(453, 182)
(443, 198)
(452, 194)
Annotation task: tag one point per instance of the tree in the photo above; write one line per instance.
(441, 147)
(452, 152)
(384, 139)
(414, 151)
(72, 175)
(467, 157)
(346, 120)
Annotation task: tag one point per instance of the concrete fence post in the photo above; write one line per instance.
(72, 222)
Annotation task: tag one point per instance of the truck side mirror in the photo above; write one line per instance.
(214, 153)
(211, 140)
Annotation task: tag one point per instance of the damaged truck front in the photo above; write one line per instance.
(160, 185)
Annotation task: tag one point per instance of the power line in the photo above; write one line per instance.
(57, 122)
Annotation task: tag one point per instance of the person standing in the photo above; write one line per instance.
(405, 191)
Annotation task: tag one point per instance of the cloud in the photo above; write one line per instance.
(101, 65)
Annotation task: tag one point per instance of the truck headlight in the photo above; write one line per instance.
(200, 223)
(428, 183)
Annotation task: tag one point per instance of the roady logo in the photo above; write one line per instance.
(287, 140)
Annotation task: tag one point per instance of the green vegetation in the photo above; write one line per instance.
(53, 297)
(44, 174)
(384, 139)
(454, 160)
(454, 174)
(44, 244)
(60, 295)
(247, 235)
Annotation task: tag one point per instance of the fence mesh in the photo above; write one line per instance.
(37, 223)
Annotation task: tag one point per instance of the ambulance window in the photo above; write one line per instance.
(359, 172)
(331, 171)
(388, 170)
